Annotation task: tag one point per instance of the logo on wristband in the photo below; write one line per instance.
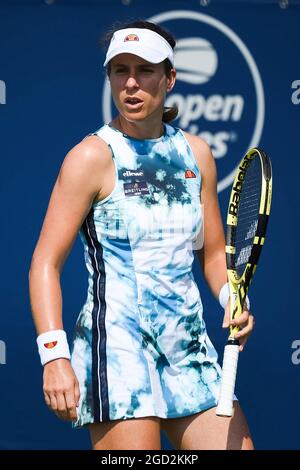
(50, 345)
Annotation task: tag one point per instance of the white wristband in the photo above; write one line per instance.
(53, 345)
(225, 294)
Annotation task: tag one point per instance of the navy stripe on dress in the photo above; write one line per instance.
(99, 359)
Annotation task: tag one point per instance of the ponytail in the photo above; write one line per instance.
(170, 113)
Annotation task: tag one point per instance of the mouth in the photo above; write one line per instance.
(133, 101)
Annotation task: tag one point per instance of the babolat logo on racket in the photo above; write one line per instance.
(218, 92)
(50, 345)
(237, 187)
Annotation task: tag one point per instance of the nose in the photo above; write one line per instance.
(131, 81)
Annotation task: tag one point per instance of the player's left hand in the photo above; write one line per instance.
(245, 322)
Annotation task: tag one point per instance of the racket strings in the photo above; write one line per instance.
(248, 213)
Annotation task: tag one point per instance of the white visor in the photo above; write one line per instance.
(144, 43)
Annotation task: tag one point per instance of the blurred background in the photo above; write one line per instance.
(238, 86)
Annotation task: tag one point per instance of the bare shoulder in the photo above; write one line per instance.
(86, 165)
(92, 152)
(203, 156)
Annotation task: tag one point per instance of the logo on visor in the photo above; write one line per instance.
(131, 37)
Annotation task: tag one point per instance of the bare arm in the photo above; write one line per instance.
(78, 183)
(212, 255)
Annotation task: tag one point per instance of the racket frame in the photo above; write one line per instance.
(239, 285)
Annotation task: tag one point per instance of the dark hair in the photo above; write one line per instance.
(170, 113)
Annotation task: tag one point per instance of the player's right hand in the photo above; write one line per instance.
(61, 389)
(245, 323)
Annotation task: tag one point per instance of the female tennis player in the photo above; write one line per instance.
(134, 190)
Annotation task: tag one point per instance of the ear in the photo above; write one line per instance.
(171, 80)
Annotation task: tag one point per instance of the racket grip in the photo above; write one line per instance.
(230, 362)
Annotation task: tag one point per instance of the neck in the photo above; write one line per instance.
(139, 130)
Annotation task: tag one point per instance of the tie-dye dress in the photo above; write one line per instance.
(140, 344)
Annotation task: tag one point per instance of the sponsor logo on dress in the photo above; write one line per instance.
(189, 174)
(138, 188)
(130, 173)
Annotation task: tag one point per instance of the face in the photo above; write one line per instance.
(138, 87)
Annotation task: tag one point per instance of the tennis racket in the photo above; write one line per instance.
(247, 219)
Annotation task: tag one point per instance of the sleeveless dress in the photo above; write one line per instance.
(140, 345)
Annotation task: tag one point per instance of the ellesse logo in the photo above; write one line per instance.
(50, 345)
(131, 37)
(129, 173)
(189, 174)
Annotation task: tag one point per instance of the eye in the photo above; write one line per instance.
(147, 69)
(119, 70)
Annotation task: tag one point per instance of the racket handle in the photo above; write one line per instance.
(230, 362)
